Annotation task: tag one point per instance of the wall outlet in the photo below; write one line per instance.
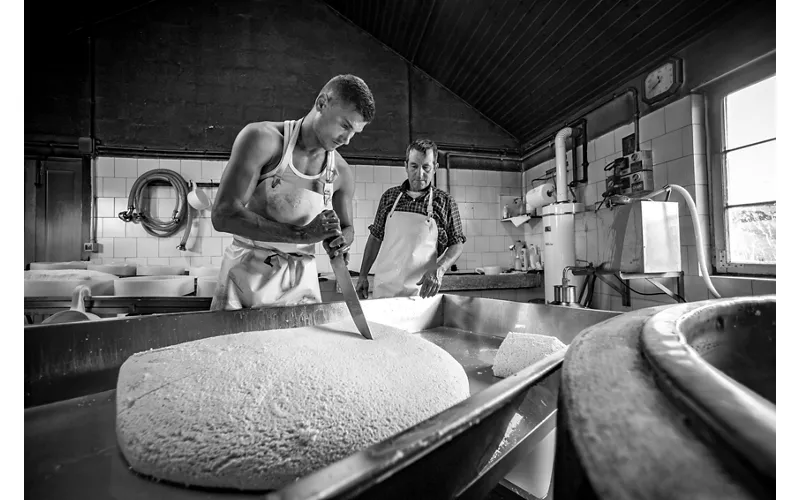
(91, 247)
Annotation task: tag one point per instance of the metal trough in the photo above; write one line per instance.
(463, 452)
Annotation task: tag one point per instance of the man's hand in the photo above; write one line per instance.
(337, 246)
(362, 287)
(324, 226)
(431, 282)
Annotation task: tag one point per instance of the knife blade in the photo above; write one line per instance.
(350, 296)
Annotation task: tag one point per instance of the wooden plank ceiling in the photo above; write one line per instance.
(527, 64)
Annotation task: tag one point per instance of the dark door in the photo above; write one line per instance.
(56, 210)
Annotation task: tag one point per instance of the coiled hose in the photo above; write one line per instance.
(138, 208)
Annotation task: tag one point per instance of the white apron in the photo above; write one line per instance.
(262, 273)
(407, 252)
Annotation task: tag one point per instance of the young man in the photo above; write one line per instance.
(286, 188)
(416, 235)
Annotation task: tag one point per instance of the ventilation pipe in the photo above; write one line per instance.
(559, 224)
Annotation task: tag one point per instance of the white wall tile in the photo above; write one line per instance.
(681, 171)
(373, 191)
(473, 194)
(494, 179)
(168, 247)
(113, 187)
(365, 209)
(365, 173)
(459, 193)
(125, 247)
(604, 145)
(211, 169)
(126, 167)
(104, 167)
(191, 170)
(147, 247)
(595, 171)
(667, 147)
(146, 165)
(105, 207)
(105, 247)
(111, 228)
(169, 164)
(134, 230)
(360, 192)
(490, 259)
(652, 125)
(678, 114)
(398, 175)
(382, 174)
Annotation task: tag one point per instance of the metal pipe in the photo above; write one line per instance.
(410, 106)
(574, 182)
(561, 164)
(629, 90)
(447, 168)
(92, 134)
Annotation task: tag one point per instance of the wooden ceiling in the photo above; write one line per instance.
(527, 64)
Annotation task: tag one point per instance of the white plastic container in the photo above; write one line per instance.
(160, 271)
(49, 266)
(122, 269)
(62, 282)
(206, 286)
(154, 286)
(204, 271)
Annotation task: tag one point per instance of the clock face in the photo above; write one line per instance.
(659, 81)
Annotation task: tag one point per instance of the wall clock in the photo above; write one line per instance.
(664, 81)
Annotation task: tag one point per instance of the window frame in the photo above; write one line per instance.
(715, 94)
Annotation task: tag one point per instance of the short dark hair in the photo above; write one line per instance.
(353, 90)
(423, 146)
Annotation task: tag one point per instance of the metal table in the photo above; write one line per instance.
(71, 369)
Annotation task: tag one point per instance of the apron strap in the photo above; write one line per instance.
(430, 203)
(328, 176)
(291, 131)
(395, 204)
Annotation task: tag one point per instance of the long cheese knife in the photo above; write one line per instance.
(350, 296)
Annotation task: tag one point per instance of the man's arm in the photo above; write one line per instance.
(343, 206)
(376, 233)
(432, 280)
(254, 147)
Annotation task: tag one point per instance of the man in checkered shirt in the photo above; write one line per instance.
(416, 235)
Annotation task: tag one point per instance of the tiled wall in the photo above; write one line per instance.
(676, 135)
(477, 193)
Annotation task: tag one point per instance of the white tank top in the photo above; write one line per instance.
(288, 196)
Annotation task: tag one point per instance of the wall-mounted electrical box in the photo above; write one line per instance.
(633, 175)
(646, 237)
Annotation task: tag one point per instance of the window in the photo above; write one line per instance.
(743, 141)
